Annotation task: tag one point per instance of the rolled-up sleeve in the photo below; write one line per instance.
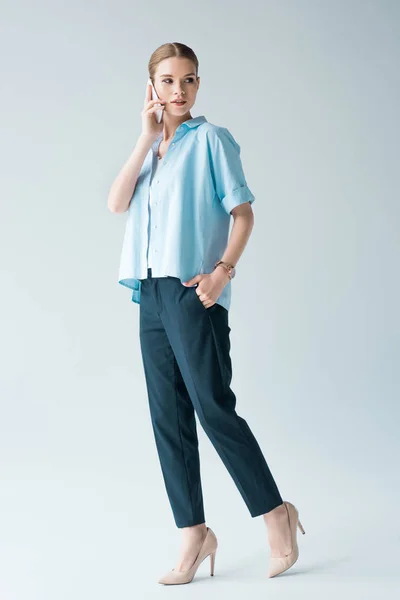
(227, 169)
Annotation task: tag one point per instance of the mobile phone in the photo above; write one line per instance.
(154, 96)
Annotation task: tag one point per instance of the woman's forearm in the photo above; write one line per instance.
(240, 233)
(123, 187)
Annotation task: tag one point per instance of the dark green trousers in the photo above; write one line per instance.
(186, 357)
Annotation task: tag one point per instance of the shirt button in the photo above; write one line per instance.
(173, 144)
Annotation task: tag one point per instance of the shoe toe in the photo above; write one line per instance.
(167, 577)
(276, 566)
(175, 577)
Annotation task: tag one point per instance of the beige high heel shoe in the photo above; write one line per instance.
(279, 564)
(208, 548)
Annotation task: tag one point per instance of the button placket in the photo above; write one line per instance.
(156, 182)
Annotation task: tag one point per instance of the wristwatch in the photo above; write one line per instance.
(230, 269)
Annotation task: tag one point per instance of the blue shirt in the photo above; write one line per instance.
(199, 181)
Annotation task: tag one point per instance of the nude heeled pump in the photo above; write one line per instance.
(208, 548)
(279, 564)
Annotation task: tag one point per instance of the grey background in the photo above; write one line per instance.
(310, 90)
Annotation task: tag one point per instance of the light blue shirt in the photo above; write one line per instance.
(199, 181)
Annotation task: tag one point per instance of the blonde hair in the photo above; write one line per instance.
(170, 50)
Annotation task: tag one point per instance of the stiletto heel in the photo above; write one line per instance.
(300, 526)
(212, 561)
(208, 548)
(279, 564)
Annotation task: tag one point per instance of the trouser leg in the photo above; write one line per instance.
(172, 414)
(199, 338)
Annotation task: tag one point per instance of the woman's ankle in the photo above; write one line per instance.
(276, 513)
(199, 529)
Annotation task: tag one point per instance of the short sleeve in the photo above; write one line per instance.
(227, 170)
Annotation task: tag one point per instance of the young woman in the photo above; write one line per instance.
(180, 187)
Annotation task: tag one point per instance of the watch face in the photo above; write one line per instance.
(233, 272)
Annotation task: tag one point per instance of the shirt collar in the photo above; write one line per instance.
(190, 124)
(195, 122)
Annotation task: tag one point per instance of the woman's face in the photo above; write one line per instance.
(176, 78)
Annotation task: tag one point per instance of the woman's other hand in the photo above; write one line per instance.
(210, 285)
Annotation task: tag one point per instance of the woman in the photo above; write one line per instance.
(180, 187)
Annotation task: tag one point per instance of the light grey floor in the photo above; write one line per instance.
(90, 529)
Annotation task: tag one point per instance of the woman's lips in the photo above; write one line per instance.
(179, 103)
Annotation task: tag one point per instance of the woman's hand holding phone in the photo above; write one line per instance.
(150, 125)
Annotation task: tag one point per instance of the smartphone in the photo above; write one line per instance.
(154, 96)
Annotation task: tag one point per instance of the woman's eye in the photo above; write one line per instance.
(189, 79)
